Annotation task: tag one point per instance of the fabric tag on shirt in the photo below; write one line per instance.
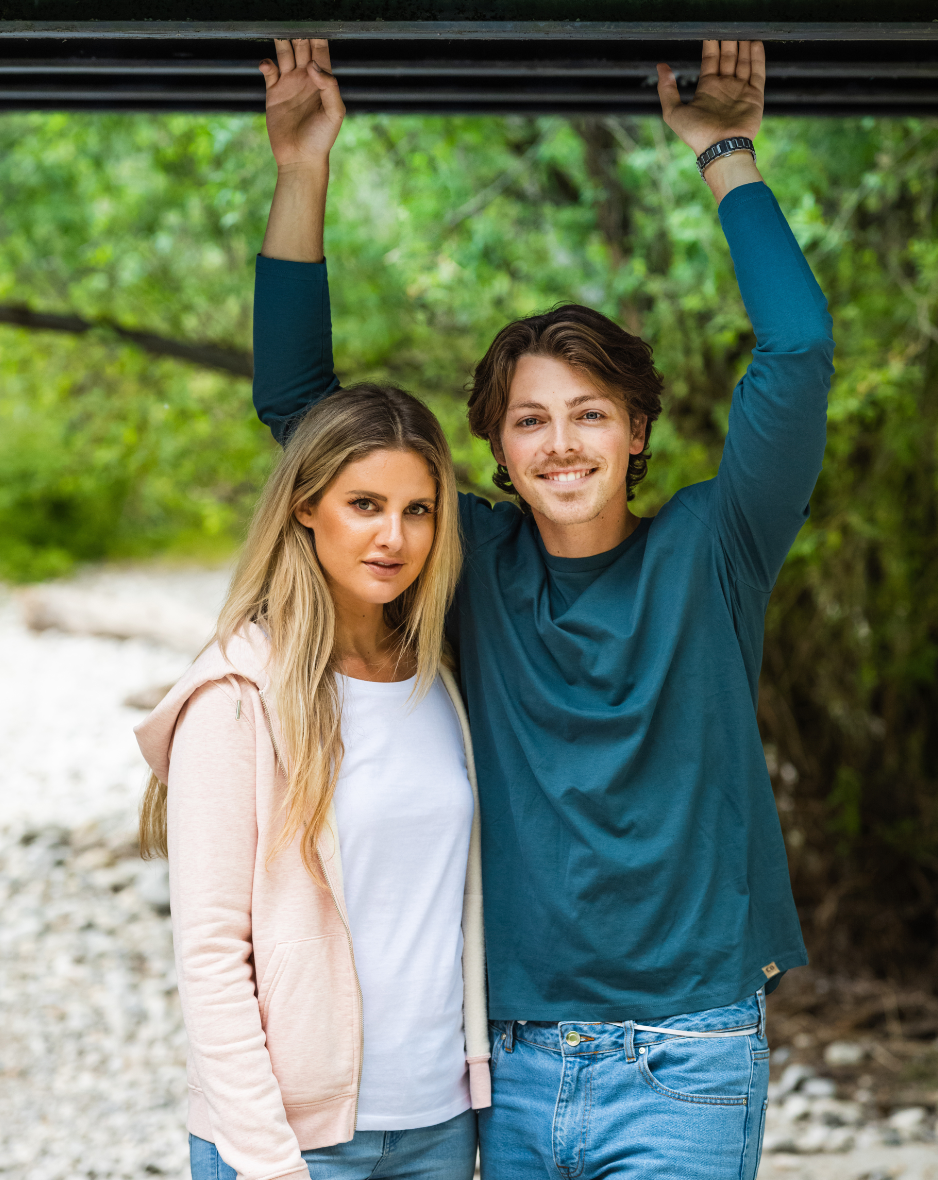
(769, 970)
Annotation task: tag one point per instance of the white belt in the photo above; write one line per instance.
(677, 1032)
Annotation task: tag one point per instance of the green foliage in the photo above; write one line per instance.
(440, 231)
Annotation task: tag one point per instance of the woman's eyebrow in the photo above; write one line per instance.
(366, 495)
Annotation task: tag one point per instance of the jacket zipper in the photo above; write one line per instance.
(348, 932)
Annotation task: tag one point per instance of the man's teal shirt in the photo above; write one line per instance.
(633, 863)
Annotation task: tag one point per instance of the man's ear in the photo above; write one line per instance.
(495, 443)
(638, 427)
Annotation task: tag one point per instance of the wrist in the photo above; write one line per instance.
(729, 172)
(314, 166)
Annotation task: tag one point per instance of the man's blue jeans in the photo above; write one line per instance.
(444, 1152)
(581, 1101)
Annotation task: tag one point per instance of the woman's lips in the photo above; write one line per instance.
(385, 569)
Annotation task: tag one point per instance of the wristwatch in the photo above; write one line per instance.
(725, 147)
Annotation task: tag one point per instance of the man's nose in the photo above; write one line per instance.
(562, 438)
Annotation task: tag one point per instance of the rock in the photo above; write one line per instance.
(792, 1077)
(844, 1053)
(795, 1107)
(152, 879)
(909, 1119)
(92, 1060)
(780, 1140)
(79, 611)
(819, 1088)
(147, 698)
(814, 1138)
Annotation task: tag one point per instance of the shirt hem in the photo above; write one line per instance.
(662, 1008)
(380, 1122)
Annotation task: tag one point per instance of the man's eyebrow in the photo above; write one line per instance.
(587, 397)
(580, 400)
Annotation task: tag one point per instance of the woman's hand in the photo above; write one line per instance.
(304, 106)
(729, 101)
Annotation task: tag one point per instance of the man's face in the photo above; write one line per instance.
(566, 445)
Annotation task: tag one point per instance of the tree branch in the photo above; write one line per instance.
(210, 356)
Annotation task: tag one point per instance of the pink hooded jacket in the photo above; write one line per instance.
(264, 954)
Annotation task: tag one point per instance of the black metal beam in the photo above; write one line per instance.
(584, 67)
(476, 30)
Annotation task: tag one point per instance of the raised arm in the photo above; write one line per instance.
(292, 320)
(775, 444)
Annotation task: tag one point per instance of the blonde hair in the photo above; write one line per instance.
(279, 584)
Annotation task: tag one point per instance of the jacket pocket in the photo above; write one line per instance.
(310, 1014)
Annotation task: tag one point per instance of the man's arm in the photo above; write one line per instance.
(292, 319)
(775, 444)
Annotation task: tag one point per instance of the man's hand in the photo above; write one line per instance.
(729, 99)
(304, 107)
(729, 102)
(304, 114)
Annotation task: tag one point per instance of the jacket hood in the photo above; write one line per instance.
(247, 656)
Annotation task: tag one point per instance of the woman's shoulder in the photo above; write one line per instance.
(224, 684)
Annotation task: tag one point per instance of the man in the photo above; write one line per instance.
(637, 901)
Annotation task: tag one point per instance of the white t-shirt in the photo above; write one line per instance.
(404, 811)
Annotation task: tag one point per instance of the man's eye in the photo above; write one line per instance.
(528, 422)
(592, 415)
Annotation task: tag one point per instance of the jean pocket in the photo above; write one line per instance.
(713, 1071)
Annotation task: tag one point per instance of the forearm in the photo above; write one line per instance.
(775, 444)
(729, 172)
(292, 341)
(297, 213)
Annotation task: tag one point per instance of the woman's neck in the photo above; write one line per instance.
(365, 646)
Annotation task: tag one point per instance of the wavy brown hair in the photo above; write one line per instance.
(615, 361)
(280, 585)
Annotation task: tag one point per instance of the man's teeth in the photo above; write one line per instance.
(567, 476)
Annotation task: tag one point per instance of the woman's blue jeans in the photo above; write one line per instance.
(444, 1152)
(584, 1101)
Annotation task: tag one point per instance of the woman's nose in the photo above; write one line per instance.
(392, 533)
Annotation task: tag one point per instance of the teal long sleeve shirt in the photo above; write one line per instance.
(633, 863)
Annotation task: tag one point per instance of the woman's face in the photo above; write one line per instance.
(374, 525)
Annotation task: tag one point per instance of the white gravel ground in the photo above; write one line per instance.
(92, 1050)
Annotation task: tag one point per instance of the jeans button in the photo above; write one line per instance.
(572, 1038)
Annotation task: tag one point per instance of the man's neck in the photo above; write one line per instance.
(604, 532)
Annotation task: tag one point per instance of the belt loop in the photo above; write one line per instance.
(760, 996)
(509, 1035)
(629, 1027)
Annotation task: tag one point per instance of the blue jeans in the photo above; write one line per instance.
(583, 1101)
(444, 1152)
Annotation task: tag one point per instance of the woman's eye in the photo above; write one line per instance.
(364, 505)
(419, 510)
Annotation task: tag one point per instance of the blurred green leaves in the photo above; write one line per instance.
(440, 230)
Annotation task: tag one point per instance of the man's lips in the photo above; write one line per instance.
(568, 477)
(384, 569)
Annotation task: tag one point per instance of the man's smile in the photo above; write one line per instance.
(571, 475)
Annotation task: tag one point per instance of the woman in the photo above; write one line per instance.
(319, 817)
